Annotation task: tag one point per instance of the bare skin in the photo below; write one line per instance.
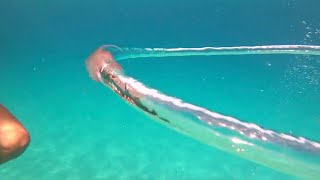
(14, 138)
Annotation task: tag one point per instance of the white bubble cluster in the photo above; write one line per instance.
(304, 72)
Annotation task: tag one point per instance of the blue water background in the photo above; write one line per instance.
(81, 130)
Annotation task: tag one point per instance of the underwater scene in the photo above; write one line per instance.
(162, 90)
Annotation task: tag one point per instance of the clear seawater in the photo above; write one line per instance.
(82, 131)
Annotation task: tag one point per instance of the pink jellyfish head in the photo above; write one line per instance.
(98, 60)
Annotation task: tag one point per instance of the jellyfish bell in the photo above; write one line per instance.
(99, 60)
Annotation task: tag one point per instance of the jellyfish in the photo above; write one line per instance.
(297, 156)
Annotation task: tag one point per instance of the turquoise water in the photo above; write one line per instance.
(81, 130)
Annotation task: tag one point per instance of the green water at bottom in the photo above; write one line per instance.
(81, 130)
